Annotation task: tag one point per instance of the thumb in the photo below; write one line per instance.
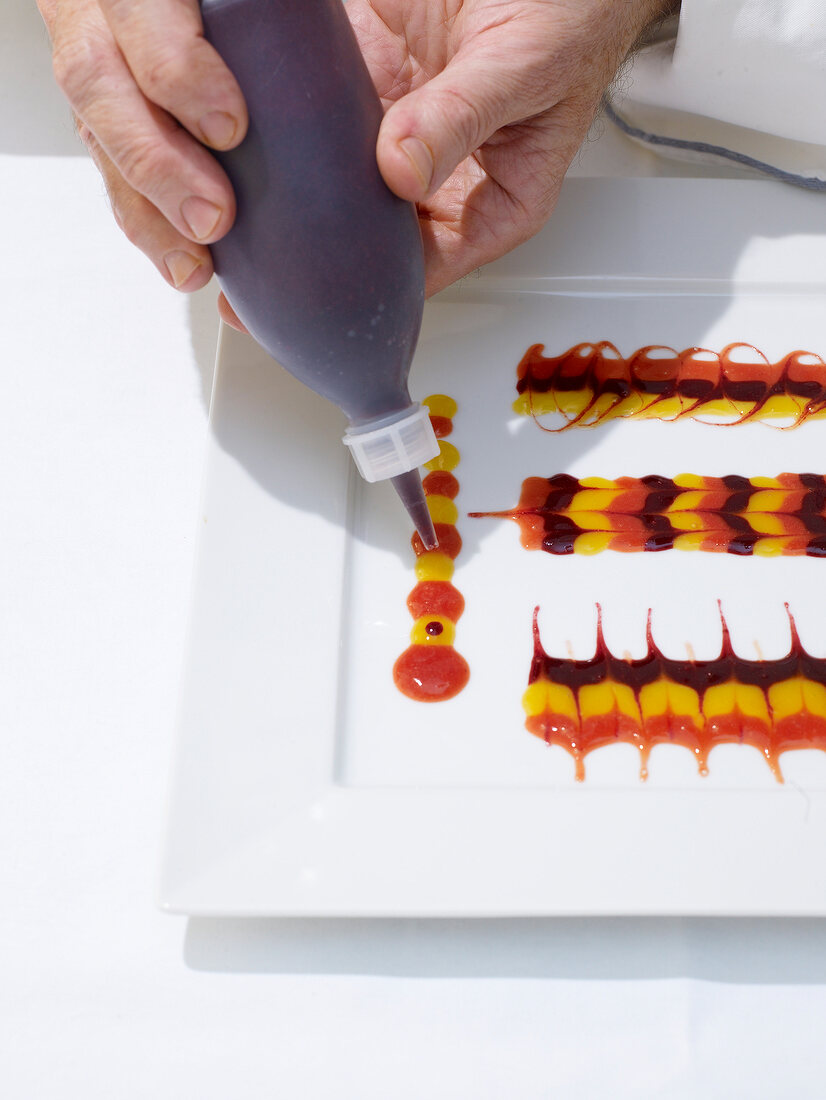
(427, 133)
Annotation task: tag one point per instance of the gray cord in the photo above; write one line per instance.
(810, 183)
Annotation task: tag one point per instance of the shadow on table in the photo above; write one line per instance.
(746, 951)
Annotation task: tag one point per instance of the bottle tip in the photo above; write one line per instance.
(427, 533)
(409, 488)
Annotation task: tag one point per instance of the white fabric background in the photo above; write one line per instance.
(105, 376)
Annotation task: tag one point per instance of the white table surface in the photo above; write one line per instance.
(105, 381)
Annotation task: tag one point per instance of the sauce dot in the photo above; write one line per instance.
(448, 457)
(442, 426)
(450, 541)
(434, 629)
(439, 404)
(442, 483)
(430, 674)
(436, 598)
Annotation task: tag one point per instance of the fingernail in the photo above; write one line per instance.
(218, 128)
(180, 266)
(420, 157)
(201, 216)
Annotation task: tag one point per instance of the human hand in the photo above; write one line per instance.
(486, 104)
(147, 89)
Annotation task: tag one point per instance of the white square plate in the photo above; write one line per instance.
(305, 783)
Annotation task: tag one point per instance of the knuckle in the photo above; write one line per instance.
(117, 10)
(86, 137)
(127, 211)
(163, 77)
(465, 117)
(78, 63)
(141, 162)
(132, 234)
(533, 220)
(121, 221)
(541, 190)
(92, 147)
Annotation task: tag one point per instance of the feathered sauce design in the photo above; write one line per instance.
(430, 669)
(582, 705)
(768, 516)
(590, 383)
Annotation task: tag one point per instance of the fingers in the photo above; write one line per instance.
(503, 195)
(228, 314)
(48, 11)
(184, 265)
(154, 156)
(177, 69)
(425, 135)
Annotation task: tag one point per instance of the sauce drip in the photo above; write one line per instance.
(736, 515)
(430, 669)
(590, 383)
(581, 705)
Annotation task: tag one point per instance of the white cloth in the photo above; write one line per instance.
(747, 75)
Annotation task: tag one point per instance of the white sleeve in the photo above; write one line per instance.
(738, 70)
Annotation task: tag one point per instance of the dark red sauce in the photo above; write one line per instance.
(785, 515)
(772, 705)
(695, 376)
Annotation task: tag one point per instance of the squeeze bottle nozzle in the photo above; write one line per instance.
(324, 264)
(393, 448)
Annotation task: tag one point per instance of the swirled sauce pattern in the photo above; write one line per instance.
(582, 705)
(590, 383)
(766, 516)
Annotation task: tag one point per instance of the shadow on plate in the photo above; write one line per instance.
(742, 951)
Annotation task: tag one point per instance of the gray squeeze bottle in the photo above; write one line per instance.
(324, 264)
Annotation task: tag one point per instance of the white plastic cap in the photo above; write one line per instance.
(394, 448)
